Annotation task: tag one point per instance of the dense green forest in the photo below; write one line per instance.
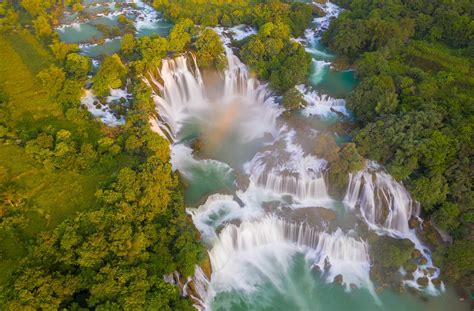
(93, 216)
(414, 106)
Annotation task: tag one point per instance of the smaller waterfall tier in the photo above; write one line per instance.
(383, 202)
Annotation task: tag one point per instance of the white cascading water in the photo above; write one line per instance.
(261, 251)
(289, 171)
(321, 105)
(386, 206)
(244, 103)
(383, 202)
(174, 104)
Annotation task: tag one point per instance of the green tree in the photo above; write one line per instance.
(209, 50)
(111, 75)
(180, 35)
(78, 66)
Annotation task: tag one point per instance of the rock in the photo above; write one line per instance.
(423, 260)
(423, 281)
(436, 282)
(197, 145)
(414, 223)
(431, 271)
(327, 264)
(353, 286)
(338, 279)
(416, 254)
(206, 266)
(326, 214)
(317, 268)
(241, 180)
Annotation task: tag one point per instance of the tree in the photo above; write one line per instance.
(111, 75)
(348, 161)
(273, 56)
(180, 35)
(210, 51)
(61, 49)
(42, 26)
(128, 44)
(151, 51)
(293, 99)
(78, 66)
(52, 80)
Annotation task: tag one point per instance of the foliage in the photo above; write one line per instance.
(106, 252)
(292, 99)
(348, 161)
(111, 75)
(209, 50)
(274, 57)
(61, 49)
(459, 259)
(180, 36)
(78, 66)
(389, 252)
(414, 103)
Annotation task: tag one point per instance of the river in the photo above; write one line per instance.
(255, 190)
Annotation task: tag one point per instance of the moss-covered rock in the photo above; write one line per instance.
(410, 266)
(389, 252)
(423, 281)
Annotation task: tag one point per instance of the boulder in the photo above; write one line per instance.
(423, 260)
(423, 281)
(338, 279)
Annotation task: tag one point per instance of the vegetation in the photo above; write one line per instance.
(228, 13)
(90, 216)
(414, 103)
(271, 53)
(111, 75)
(274, 57)
(210, 52)
(390, 252)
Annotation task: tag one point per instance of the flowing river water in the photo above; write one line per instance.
(257, 193)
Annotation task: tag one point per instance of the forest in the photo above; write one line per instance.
(104, 243)
(93, 216)
(414, 106)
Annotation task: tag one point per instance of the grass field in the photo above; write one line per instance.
(50, 195)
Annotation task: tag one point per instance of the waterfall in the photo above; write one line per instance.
(182, 93)
(262, 251)
(383, 202)
(321, 105)
(387, 207)
(289, 171)
(245, 106)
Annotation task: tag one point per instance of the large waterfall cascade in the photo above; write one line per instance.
(249, 247)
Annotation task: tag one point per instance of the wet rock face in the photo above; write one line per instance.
(423, 281)
(242, 181)
(197, 145)
(338, 279)
(414, 223)
(423, 260)
(314, 216)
